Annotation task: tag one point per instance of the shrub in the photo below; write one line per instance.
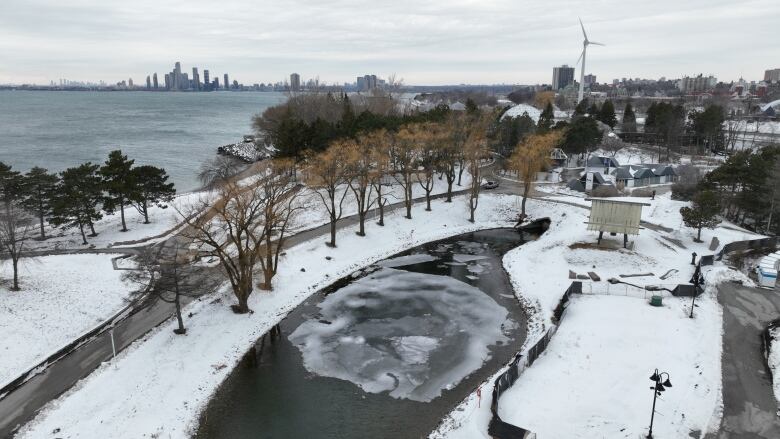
(683, 191)
(605, 190)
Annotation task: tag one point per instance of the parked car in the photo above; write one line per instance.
(490, 184)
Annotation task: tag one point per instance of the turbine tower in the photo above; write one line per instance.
(585, 44)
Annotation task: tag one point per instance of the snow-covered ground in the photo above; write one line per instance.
(773, 359)
(159, 385)
(600, 359)
(61, 298)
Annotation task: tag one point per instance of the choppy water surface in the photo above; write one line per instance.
(177, 131)
(385, 353)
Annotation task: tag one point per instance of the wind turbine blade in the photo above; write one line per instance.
(580, 58)
(583, 29)
(596, 44)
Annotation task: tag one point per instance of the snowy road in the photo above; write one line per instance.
(749, 406)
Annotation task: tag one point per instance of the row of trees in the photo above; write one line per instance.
(745, 190)
(76, 197)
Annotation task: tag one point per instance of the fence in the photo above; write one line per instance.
(624, 289)
(497, 428)
(752, 244)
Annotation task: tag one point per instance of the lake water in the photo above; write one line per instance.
(385, 353)
(177, 131)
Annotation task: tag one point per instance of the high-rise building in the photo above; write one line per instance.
(562, 76)
(195, 79)
(178, 80)
(167, 81)
(361, 83)
(589, 80)
(295, 82)
(130, 83)
(154, 81)
(696, 84)
(206, 80)
(216, 83)
(772, 75)
(226, 83)
(148, 82)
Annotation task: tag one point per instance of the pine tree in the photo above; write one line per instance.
(593, 110)
(546, 119)
(582, 135)
(703, 212)
(607, 114)
(581, 108)
(11, 184)
(78, 196)
(152, 188)
(39, 188)
(629, 120)
(471, 107)
(118, 182)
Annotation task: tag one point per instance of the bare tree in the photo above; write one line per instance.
(326, 174)
(532, 155)
(404, 154)
(475, 151)
(219, 170)
(429, 149)
(361, 175)
(16, 225)
(161, 271)
(382, 142)
(235, 229)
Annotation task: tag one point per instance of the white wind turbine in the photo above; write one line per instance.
(585, 44)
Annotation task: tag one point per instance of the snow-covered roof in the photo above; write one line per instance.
(458, 106)
(519, 109)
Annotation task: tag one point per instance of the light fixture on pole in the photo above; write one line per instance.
(658, 387)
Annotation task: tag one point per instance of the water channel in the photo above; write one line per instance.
(384, 353)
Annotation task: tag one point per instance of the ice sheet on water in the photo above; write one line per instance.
(467, 258)
(401, 261)
(411, 334)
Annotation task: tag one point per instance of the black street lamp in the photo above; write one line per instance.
(657, 388)
(696, 280)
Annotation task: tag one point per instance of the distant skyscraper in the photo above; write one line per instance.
(562, 76)
(154, 81)
(167, 81)
(178, 80)
(772, 75)
(295, 82)
(226, 83)
(696, 84)
(590, 80)
(206, 80)
(148, 82)
(216, 83)
(361, 83)
(195, 79)
(130, 83)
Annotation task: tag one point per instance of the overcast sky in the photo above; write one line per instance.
(441, 42)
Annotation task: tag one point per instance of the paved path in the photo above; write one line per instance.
(749, 405)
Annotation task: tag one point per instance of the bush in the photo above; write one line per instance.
(605, 191)
(683, 191)
(642, 192)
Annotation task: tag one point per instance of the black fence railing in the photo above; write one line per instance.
(497, 428)
(751, 244)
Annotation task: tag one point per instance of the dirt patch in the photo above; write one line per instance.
(604, 246)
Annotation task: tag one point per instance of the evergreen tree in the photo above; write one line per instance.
(11, 184)
(118, 183)
(707, 126)
(152, 188)
(703, 212)
(629, 120)
(546, 119)
(78, 196)
(593, 110)
(39, 188)
(471, 107)
(582, 108)
(607, 114)
(582, 135)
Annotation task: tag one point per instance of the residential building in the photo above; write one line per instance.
(589, 80)
(697, 84)
(226, 83)
(195, 79)
(154, 81)
(148, 82)
(295, 82)
(206, 80)
(562, 76)
(772, 76)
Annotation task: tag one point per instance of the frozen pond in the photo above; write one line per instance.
(385, 353)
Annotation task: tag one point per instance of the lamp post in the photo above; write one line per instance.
(657, 388)
(696, 280)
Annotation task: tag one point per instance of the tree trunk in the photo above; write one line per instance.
(460, 174)
(15, 262)
(332, 242)
(449, 190)
(92, 228)
(43, 233)
(698, 235)
(362, 220)
(526, 189)
(408, 199)
(122, 214)
(83, 236)
(179, 319)
(146, 212)
(427, 201)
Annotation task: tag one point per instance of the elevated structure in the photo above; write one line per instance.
(615, 216)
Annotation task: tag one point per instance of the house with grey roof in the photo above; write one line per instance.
(644, 175)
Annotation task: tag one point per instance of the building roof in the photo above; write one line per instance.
(602, 161)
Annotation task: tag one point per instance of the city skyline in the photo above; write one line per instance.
(449, 43)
